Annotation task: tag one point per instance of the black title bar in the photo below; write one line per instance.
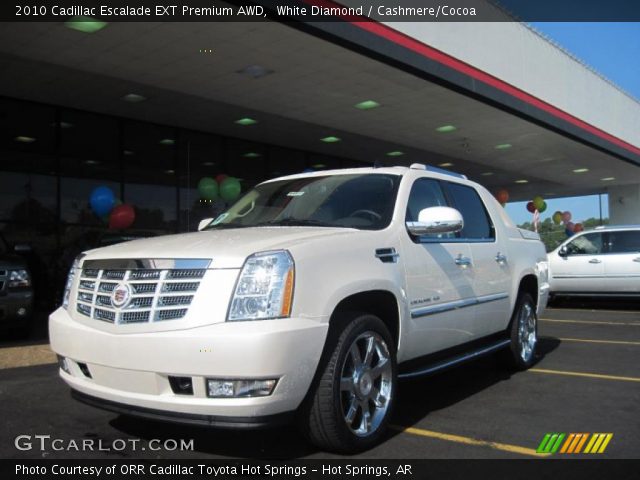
(322, 10)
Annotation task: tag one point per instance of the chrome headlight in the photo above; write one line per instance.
(70, 278)
(264, 289)
(19, 279)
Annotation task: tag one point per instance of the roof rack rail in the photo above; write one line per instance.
(621, 226)
(430, 168)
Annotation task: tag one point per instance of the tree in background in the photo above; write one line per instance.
(553, 235)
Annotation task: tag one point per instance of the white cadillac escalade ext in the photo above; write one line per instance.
(313, 295)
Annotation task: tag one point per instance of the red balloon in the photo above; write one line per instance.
(531, 207)
(578, 227)
(122, 216)
(502, 196)
(221, 178)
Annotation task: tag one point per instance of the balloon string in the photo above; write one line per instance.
(536, 220)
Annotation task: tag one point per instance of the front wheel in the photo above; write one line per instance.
(523, 331)
(352, 402)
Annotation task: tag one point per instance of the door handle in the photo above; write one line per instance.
(637, 259)
(595, 260)
(500, 258)
(462, 261)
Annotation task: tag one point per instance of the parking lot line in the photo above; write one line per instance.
(595, 322)
(505, 447)
(607, 342)
(584, 374)
(582, 310)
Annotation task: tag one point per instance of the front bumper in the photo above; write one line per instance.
(129, 372)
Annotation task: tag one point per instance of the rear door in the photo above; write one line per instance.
(491, 271)
(582, 269)
(622, 263)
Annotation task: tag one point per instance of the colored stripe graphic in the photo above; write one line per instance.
(598, 442)
(574, 442)
(550, 443)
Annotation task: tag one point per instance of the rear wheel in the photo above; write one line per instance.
(351, 404)
(523, 331)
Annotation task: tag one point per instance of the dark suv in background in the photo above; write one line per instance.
(16, 292)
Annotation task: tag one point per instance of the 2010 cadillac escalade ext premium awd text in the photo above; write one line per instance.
(311, 295)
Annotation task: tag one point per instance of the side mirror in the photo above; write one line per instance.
(22, 248)
(564, 251)
(436, 220)
(204, 222)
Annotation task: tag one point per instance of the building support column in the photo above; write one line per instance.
(624, 205)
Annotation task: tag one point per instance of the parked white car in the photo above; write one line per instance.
(312, 295)
(600, 262)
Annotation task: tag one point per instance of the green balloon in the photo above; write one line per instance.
(557, 218)
(208, 188)
(538, 202)
(230, 189)
(543, 208)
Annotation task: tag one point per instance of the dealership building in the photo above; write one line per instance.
(148, 109)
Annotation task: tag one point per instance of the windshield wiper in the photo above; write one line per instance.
(221, 226)
(296, 222)
(288, 222)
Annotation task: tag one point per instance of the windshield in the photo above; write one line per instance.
(363, 201)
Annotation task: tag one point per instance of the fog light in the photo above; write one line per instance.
(181, 385)
(219, 388)
(64, 364)
(22, 311)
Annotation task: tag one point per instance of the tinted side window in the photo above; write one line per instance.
(588, 244)
(425, 193)
(624, 242)
(477, 224)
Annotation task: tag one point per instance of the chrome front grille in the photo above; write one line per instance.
(144, 295)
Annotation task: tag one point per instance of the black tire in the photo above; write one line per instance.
(523, 333)
(371, 387)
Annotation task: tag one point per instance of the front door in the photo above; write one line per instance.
(439, 280)
(582, 268)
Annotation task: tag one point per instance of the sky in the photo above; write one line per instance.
(581, 208)
(612, 49)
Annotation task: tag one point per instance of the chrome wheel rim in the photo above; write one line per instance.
(527, 334)
(366, 382)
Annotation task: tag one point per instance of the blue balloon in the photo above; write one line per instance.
(102, 201)
(568, 232)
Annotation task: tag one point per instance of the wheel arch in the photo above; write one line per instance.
(381, 303)
(529, 284)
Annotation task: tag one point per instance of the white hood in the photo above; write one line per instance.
(227, 248)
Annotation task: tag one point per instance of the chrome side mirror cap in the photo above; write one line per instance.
(435, 220)
(564, 251)
(203, 223)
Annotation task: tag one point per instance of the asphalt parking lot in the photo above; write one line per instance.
(586, 381)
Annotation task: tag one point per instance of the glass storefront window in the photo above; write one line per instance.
(283, 161)
(150, 178)
(200, 155)
(89, 146)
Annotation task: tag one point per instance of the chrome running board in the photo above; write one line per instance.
(456, 360)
